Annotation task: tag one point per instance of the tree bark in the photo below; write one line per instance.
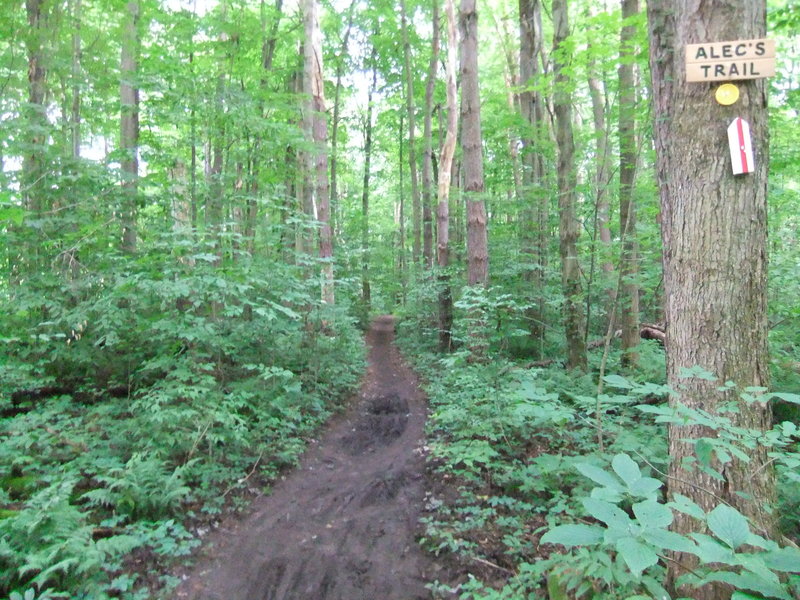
(534, 226)
(336, 117)
(714, 238)
(628, 302)
(33, 171)
(319, 136)
(269, 40)
(412, 147)
(512, 96)
(399, 216)
(445, 175)
(567, 181)
(366, 294)
(213, 216)
(75, 112)
(471, 141)
(602, 175)
(427, 157)
(472, 167)
(129, 125)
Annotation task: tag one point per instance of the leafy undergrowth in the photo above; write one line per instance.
(136, 414)
(518, 452)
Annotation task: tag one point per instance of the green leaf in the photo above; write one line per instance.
(626, 468)
(739, 595)
(655, 588)
(786, 397)
(637, 556)
(573, 535)
(786, 560)
(754, 563)
(704, 450)
(710, 550)
(729, 525)
(609, 514)
(645, 487)
(15, 214)
(669, 540)
(698, 372)
(600, 476)
(749, 581)
(607, 494)
(618, 381)
(651, 514)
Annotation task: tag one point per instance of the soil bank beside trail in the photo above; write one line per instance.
(342, 526)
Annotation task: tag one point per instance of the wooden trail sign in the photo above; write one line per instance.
(741, 146)
(729, 61)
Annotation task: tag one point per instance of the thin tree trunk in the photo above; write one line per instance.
(290, 230)
(75, 115)
(129, 125)
(445, 174)
(213, 214)
(343, 52)
(400, 219)
(512, 96)
(412, 150)
(427, 159)
(567, 182)
(193, 160)
(269, 41)
(366, 294)
(629, 290)
(305, 240)
(602, 174)
(714, 229)
(33, 163)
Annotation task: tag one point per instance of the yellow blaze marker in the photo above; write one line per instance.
(727, 94)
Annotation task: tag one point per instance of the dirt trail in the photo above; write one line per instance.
(342, 526)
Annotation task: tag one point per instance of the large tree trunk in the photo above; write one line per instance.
(412, 151)
(445, 175)
(477, 253)
(534, 226)
(628, 301)
(715, 263)
(319, 136)
(472, 157)
(129, 125)
(567, 182)
(427, 158)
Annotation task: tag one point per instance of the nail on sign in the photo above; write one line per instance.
(729, 61)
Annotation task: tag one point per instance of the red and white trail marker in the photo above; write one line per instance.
(741, 146)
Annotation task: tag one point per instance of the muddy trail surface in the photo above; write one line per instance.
(343, 524)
